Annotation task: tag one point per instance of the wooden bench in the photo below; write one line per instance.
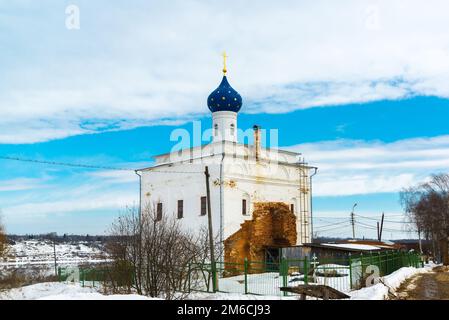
(316, 291)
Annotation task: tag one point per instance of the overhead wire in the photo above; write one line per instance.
(87, 166)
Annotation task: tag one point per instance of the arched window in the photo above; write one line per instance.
(216, 130)
(232, 129)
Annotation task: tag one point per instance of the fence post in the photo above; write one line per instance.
(214, 276)
(388, 262)
(245, 268)
(362, 266)
(82, 276)
(306, 271)
(284, 272)
(394, 267)
(350, 271)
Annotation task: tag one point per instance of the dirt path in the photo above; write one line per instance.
(426, 286)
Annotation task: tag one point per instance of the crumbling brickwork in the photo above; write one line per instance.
(273, 225)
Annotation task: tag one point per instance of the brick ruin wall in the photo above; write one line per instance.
(273, 225)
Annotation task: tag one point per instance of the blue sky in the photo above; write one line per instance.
(360, 89)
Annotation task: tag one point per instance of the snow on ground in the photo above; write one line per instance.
(70, 291)
(268, 284)
(39, 252)
(388, 283)
(62, 291)
(235, 296)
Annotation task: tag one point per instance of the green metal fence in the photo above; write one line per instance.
(263, 278)
(343, 274)
(87, 277)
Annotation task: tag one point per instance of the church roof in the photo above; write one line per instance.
(224, 98)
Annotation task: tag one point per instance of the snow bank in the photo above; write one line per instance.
(61, 291)
(95, 296)
(235, 296)
(388, 283)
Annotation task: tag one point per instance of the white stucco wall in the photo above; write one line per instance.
(170, 184)
(181, 176)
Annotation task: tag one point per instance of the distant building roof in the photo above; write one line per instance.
(373, 243)
(356, 246)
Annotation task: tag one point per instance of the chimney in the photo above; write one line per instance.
(257, 141)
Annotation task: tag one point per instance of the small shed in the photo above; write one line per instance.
(337, 250)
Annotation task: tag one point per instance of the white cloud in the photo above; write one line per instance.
(149, 62)
(113, 201)
(349, 167)
(113, 176)
(20, 184)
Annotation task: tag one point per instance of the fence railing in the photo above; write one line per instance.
(87, 277)
(263, 278)
(343, 274)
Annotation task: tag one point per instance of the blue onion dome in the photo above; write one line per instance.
(224, 98)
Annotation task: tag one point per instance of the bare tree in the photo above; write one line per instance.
(153, 255)
(3, 241)
(427, 205)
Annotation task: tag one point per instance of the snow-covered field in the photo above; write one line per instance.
(36, 257)
(41, 252)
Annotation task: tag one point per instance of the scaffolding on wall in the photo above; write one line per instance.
(305, 201)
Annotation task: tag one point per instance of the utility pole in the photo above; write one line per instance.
(353, 220)
(211, 233)
(381, 226)
(378, 231)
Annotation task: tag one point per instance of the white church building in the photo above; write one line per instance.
(248, 183)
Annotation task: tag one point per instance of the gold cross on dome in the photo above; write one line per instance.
(224, 62)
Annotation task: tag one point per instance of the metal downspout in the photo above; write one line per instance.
(311, 205)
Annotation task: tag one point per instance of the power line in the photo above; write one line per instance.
(366, 226)
(64, 164)
(332, 229)
(332, 224)
(391, 221)
(88, 166)
(324, 217)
